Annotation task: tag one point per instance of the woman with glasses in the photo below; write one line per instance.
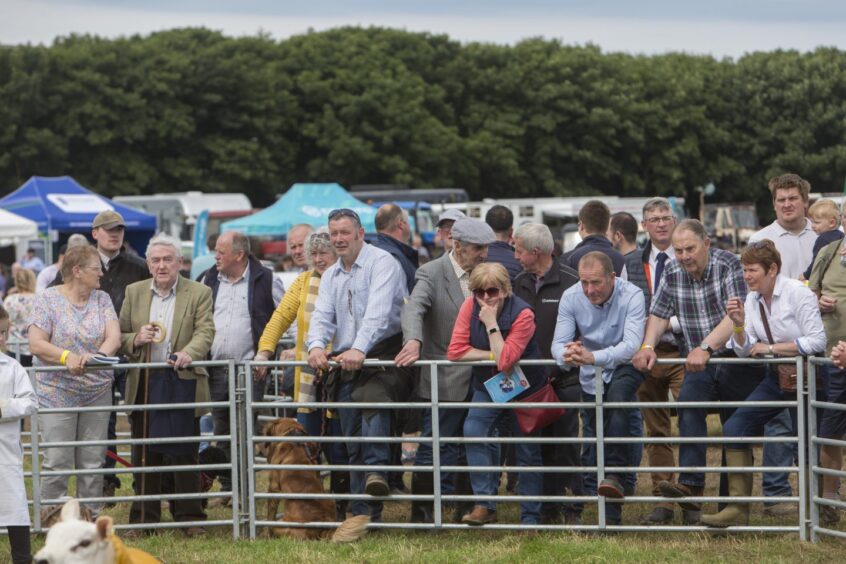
(297, 305)
(493, 324)
(779, 318)
(71, 323)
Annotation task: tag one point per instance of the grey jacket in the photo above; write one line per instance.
(429, 316)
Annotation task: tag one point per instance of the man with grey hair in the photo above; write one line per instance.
(541, 285)
(645, 269)
(244, 296)
(295, 243)
(166, 319)
(441, 287)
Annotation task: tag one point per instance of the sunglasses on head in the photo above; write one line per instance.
(344, 212)
(480, 293)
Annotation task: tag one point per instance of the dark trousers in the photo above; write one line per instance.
(616, 423)
(155, 483)
(723, 382)
(555, 483)
(19, 543)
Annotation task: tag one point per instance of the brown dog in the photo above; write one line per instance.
(302, 481)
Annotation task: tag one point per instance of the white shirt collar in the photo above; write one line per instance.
(171, 292)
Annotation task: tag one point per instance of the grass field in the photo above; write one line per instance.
(492, 546)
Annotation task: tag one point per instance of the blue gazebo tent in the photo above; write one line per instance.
(61, 206)
(302, 203)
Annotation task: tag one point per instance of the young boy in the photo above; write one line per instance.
(17, 400)
(825, 221)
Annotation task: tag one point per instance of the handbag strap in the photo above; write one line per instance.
(766, 323)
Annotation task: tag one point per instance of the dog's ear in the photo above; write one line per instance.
(70, 511)
(264, 447)
(104, 526)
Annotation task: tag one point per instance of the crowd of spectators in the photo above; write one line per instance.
(496, 293)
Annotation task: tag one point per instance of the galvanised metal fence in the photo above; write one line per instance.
(245, 466)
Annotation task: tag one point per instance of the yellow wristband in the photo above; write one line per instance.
(64, 357)
(739, 329)
(644, 347)
(492, 356)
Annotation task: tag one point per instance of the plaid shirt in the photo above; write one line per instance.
(699, 304)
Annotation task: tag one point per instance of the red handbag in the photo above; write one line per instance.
(532, 419)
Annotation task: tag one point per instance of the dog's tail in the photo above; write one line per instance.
(351, 529)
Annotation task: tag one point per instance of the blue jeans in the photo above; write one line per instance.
(617, 423)
(451, 424)
(777, 484)
(480, 423)
(718, 382)
(555, 483)
(364, 423)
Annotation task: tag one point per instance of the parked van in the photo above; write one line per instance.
(177, 212)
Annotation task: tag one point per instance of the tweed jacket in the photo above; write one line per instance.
(192, 331)
(429, 316)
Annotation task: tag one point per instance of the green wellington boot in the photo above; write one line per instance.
(739, 485)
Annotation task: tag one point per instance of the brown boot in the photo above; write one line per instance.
(479, 516)
(739, 485)
(674, 490)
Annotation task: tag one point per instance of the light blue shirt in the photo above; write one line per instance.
(360, 307)
(612, 331)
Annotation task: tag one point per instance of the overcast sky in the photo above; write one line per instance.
(716, 27)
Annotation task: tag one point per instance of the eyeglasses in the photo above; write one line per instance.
(480, 293)
(659, 219)
(344, 212)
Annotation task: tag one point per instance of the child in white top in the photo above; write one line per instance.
(17, 400)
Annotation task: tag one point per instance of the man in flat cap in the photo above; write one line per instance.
(445, 222)
(441, 286)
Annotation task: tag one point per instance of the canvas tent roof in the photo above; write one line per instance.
(13, 226)
(302, 203)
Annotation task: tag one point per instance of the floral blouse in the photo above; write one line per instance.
(19, 307)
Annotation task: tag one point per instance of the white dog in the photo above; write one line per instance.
(74, 541)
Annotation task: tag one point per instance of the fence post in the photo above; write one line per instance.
(436, 447)
(813, 449)
(802, 483)
(247, 456)
(599, 435)
(235, 454)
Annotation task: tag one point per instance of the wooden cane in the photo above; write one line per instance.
(159, 332)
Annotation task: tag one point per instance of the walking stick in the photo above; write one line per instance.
(159, 336)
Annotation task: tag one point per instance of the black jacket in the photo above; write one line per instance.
(593, 243)
(259, 295)
(545, 304)
(406, 255)
(503, 253)
(124, 269)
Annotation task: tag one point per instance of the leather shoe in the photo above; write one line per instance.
(780, 510)
(479, 516)
(133, 534)
(376, 486)
(659, 516)
(192, 532)
(673, 490)
(611, 488)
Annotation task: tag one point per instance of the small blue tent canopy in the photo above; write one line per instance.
(60, 204)
(302, 203)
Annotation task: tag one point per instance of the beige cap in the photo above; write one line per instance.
(108, 219)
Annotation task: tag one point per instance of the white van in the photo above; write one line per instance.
(177, 212)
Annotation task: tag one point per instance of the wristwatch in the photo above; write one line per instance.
(493, 330)
(707, 348)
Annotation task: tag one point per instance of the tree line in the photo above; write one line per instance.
(192, 109)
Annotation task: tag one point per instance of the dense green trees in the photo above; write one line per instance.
(192, 109)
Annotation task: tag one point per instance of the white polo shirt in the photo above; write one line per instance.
(796, 249)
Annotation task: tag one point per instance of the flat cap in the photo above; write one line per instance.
(108, 219)
(451, 214)
(473, 231)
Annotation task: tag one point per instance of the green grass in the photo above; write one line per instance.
(490, 546)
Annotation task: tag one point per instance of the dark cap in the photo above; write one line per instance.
(108, 219)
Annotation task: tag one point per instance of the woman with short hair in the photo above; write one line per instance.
(494, 324)
(19, 307)
(70, 323)
(780, 318)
